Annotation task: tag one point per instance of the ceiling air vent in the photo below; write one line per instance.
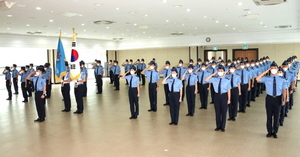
(283, 26)
(177, 33)
(33, 33)
(103, 22)
(118, 39)
(268, 2)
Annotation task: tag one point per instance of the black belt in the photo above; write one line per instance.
(221, 93)
(274, 96)
(191, 86)
(234, 88)
(152, 83)
(174, 92)
(244, 84)
(132, 87)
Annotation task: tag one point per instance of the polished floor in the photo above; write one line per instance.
(105, 130)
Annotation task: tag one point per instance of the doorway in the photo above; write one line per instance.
(208, 54)
(250, 53)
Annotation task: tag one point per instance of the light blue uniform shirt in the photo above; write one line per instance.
(225, 84)
(83, 69)
(236, 79)
(166, 72)
(135, 80)
(155, 76)
(98, 70)
(205, 73)
(247, 75)
(181, 71)
(280, 84)
(14, 73)
(143, 66)
(23, 76)
(31, 70)
(177, 84)
(289, 76)
(82, 76)
(47, 73)
(66, 77)
(193, 79)
(115, 69)
(139, 66)
(254, 71)
(41, 82)
(127, 67)
(68, 69)
(7, 75)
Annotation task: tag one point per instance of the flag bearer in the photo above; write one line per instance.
(65, 86)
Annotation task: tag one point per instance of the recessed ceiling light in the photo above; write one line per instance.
(149, 37)
(9, 15)
(167, 20)
(135, 24)
(217, 21)
(205, 30)
(240, 31)
(146, 15)
(144, 32)
(84, 30)
(204, 16)
(82, 24)
(177, 6)
(38, 8)
(50, 20)
(240, 3)
(164, 1)
(28, 25)
(226, 25)
(182, 24)
(8, 28)
(31, 18)
(188, 10)
(80, 15)
(51, 11)
(21, 5)
(127, 30)
(132, 12)
(195, 27)
(98, 4)
(107, 27)
(249, 12)
(261, 23)
(233, 28)
(265, 26)
(117, 8)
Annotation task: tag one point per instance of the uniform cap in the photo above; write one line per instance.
(220, 57)
(142, 60)
(66, 63)
(267, 57)
(22, 68)
(252, 61)
(167, 62)
(228, 60)
(257, 60)
(191, 66)
(110, 60)
(115, 61)
(242, 62)
(130, 60)
(222, 61)
(7, 68)
(213, 62)
(191, 60)
(153, 59)
(232, 66)
(133, 67)
(206, 60)
(126, 60)
(264, 57)
(81, 63)
(152, 63)
(46, 64)
(180, 61)
(234, 59)
(138, 59)
(221, 67)
(14, 65)
(31, 64)
(247, 61)
(274, 64)
(280, 69)
(174, 69)
(285, 63)
(213, 58)
(199, 60)
(41, 68)
(98, 61)
(27, 66)
(203, 64)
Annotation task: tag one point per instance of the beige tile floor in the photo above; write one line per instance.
(105, 130)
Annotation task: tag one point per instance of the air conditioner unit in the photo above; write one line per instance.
(268, 2)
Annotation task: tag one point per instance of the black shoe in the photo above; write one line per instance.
(281, 124)
(217, 129)
(269, 135)
(240, 110)
(25, 101)
(205, 108)
(223, 130)
(126, 84)
(175, 123)
(150, 110)
(37, 120)
(8, 99)
(29, 95)
(211, 102)
(78, 112)
(171, 123)
(65, 110)
(248, 105)
(154, 110)
(201, 107)
(135, 117)
(253, 100)
(132, 117)
(286, 115)
(42, 119)
(229, 119)
(110, 83)
(98, 93)
(233, 119)
(275, 135)
(188, 114)
(117, 89)
(166, 104)
(192, 114)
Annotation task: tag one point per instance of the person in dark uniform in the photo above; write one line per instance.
(212, 68)
(133, 91)
(165, 70)
(204, 87)
(222, 97)
(156, 65)
(14, 73)
(28, 83)
(283, 108)
(31, 69)
(111, 73)
(191, 89)
(7, 74)
(40, 92)
(153, 77)
(95, 70)
(126, 66)
(175, 87)
(83, 69)
(143, 66)
(99, 73)
(276, 97)
(138, 68)
(235, 80)
(23, 75)
(181, 69)
(48, 75)
(116, 70)
(79, 89)
(245, 86)
(65, 87)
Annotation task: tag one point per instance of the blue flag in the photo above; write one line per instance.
(60, 68)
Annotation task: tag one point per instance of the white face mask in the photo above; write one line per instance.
(21, 72)
(252, 65)
(222, 64)
(37, 73)
(180, 64)
(285, 69)
(98, 64)
(289, 65)
(274, 71)
(238, 61)
(234, 62)
(203, 68)
(151, 67)
(191, 63)
(206, 63)
(174, 75)
(199, 63)
(264, 61)
(45, 69)
(220, 73)
(167, 67)
(260, 62)
(213, 66)
(257, 63)
(190, 71)
(242, 66)
(132, 72)
(228, 64)
(232, 70)
(267, 59)
(281, 74)
(247, 65)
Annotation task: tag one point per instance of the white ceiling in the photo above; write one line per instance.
(204, 18)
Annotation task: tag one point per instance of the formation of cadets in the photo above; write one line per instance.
(233, 85)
